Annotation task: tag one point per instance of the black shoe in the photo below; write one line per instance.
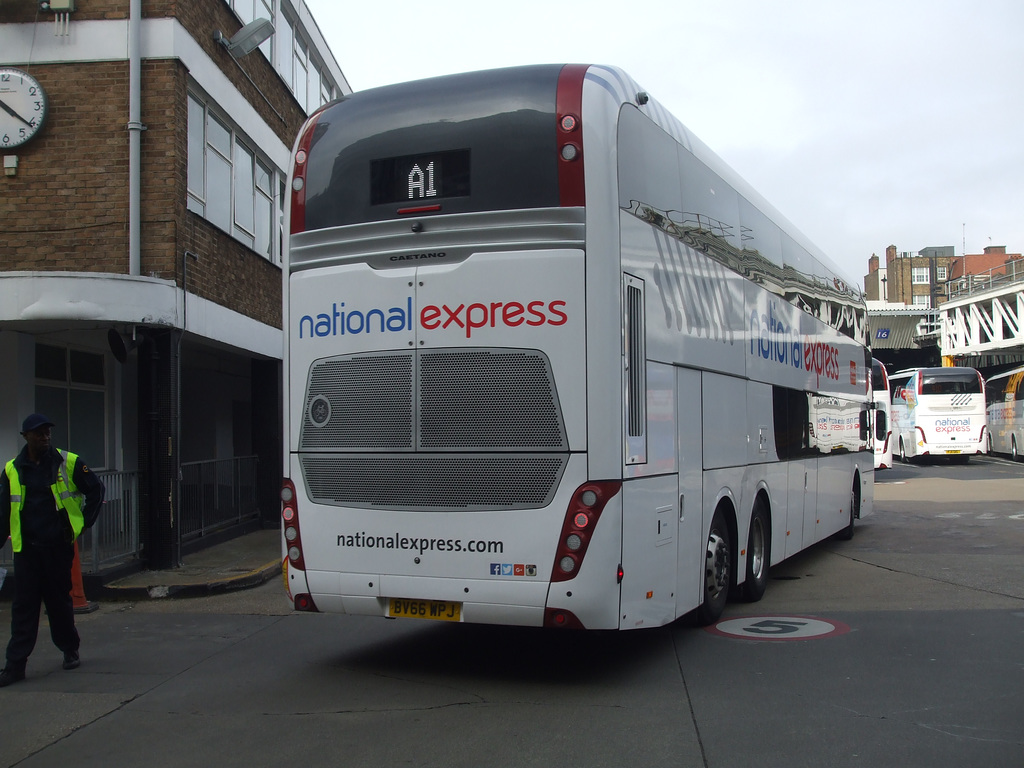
(71, 660)
(10, 675)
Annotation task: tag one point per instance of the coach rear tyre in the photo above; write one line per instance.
(717, 570)
(847, 533)
(759, 544)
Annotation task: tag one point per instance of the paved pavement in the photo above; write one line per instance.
(243, 562)
(922, 668)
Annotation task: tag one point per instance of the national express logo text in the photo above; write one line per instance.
(345, 321)
(773, 340)
(952, 426)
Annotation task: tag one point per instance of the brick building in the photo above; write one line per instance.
(928, 278)
(140, 246)
(917, 280)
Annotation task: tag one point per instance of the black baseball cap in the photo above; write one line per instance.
(35, 421)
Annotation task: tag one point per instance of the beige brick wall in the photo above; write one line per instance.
(67, 206)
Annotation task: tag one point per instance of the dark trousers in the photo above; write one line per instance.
(42, 576)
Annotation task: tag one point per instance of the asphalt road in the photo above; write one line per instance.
(918, 661)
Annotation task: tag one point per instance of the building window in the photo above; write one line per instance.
(285, 43)
(920, 276)
(71, 390)
(301, 82)
(263, 208)
(940, 274)
(228, 183)
(314, 99)
(307, 80)
(922, 301)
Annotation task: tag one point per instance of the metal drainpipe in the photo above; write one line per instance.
(179, 505)
(135, 128)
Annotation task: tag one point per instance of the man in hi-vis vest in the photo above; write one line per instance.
(47, 497)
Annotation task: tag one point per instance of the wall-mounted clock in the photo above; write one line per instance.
(23, 107)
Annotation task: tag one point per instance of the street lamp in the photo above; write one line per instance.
(248, 38)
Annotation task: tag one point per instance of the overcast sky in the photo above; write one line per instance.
(866, 123)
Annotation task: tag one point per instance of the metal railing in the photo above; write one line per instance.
(114, 539)
(1006, 274)
(115, 536)
(217, 494)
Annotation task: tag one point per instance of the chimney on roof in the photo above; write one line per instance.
(994, 249)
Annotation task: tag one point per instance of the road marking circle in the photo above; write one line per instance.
(778, 628)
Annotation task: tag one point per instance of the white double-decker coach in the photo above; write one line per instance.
(550, 362)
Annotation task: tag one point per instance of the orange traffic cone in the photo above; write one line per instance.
(77, 590)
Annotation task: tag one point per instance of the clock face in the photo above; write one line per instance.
(23, 107)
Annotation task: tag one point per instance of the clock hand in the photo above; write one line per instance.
(12, 113)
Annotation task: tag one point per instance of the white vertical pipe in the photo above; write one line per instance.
(135, 129)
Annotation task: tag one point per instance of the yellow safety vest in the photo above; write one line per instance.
(65, 494)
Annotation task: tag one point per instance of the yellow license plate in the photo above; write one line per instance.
(952, 451)
(438, 610)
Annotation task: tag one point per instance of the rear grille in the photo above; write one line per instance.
(433, 483)
(385, 429)
(437, 400)
(360, 403)
(488, 399)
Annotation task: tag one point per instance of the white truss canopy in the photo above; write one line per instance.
(985, 322)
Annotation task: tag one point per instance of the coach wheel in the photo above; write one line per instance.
(717, 571)
(759, 545)
(1014, 456)
(903, 452)
(847, 533)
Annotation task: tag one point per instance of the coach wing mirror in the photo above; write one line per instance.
(864, 431)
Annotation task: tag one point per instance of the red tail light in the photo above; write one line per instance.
(558, 618)
(305, 602)
(290, 531)
(580, 519)
(290, 525)
(569, 135)
(298, 190)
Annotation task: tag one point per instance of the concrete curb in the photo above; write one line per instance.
(253, 578)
